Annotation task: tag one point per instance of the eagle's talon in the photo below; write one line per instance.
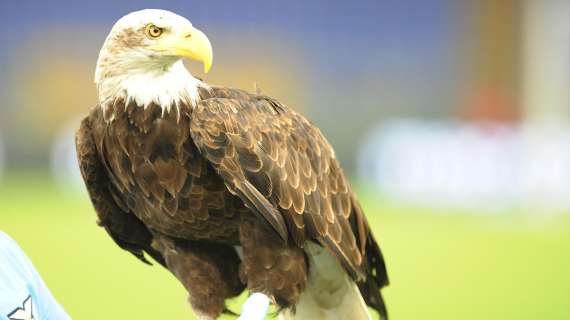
(255, 307)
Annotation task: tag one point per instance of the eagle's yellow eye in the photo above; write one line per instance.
(153, 31)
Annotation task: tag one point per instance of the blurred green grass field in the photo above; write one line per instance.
(442, 265)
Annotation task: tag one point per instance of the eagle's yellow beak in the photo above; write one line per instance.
(194, 44)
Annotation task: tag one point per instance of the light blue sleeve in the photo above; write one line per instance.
(19, 276)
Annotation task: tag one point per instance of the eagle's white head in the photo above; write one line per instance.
(141, 60)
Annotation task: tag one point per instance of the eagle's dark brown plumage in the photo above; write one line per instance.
(188, 183)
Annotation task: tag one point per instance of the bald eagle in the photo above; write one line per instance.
(225, 188)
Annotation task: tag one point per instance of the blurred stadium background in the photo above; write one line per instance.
(451, 117)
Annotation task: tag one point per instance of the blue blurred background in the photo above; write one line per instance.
(450, 117)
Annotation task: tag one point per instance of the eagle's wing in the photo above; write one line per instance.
(282, 167)
(123, 226)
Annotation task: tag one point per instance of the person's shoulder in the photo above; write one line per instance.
(5, 237)
(11, 254)
(22, 284)
(8, 244)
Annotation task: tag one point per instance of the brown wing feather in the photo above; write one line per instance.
(123, 227)
(158, 172)
(282, 166)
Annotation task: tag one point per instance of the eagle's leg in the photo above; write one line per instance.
(271, 266)
(208, 271)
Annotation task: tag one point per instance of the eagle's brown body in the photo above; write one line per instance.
(237, 169)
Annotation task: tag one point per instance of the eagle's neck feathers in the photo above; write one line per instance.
(165, 85)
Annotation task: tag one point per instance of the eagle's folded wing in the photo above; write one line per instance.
(282, 167)
(123, 226)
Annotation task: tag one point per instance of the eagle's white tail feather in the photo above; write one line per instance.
(330, 293)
